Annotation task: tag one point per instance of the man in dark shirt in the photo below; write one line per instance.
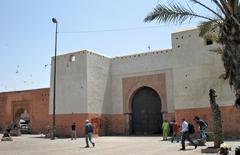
(74, 132)
(88, 133)
(202, 127)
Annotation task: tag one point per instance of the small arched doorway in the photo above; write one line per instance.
(21, 114)
(146, 112)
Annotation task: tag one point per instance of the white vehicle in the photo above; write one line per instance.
(24, 126)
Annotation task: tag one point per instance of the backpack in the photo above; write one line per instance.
(203, 124)
(206, 124)
(191, 128)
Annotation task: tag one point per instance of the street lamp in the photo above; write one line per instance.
(54, 20)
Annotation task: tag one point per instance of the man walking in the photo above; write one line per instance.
(185, 135)
(176, 128)
(88, 133)
(74, 132)
(202, 127)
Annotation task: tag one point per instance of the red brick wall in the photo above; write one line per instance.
(104, 124)
(2, 110)
(230, 117)
(35, 101)
(40, 109)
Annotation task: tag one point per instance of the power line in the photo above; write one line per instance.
(115, 30)
(122, 29)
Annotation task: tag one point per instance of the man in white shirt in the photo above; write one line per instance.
(185, 134)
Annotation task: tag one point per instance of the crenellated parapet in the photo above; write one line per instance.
(145, 54)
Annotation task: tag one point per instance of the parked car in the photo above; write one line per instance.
(24, 126)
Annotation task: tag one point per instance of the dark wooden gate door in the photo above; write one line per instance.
(146, 112)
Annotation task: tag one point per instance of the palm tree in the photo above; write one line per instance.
(217, 119)
(226, 18)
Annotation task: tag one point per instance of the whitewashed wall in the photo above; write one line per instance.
(195, 71)
(71, 84)
(98, 84)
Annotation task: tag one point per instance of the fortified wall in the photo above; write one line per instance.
(96, 86)
(130, 94)
(34, 103)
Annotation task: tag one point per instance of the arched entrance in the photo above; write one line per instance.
(146, 112)
(21, 114)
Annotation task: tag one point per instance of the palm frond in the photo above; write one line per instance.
(238, 8)
(228, 7)
(233, 6)
(219, 5)
(208, 29)
(224, 5)
(213, 36)
(234, 10)
(174, 12)
(219, 11)
(206, 7)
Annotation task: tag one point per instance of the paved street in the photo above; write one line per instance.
(37, 145)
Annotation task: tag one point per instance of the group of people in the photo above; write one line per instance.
(182, 133)
(88, 133)
(172, 128)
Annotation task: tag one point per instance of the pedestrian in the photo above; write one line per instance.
(15, 126)
(6, 135)
(202, 127)
(176, 128)
(88, 133)
(47, 132)
(165, 128)
(171, 128)
(74, 132)
(7, 132)
(186, 135)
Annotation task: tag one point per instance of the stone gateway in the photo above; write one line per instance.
(130, 94)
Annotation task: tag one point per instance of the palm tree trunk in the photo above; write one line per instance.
(217, 120)
(230, 39)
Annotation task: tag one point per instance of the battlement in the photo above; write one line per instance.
(130, 56)
(83, 51)
(151, 53)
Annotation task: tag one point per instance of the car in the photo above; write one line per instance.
(24, 126)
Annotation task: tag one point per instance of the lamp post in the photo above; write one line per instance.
(54, 20)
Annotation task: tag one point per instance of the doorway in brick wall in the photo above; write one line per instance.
(146, 112)
(21, 114)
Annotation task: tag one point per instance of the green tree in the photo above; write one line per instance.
(225, 18)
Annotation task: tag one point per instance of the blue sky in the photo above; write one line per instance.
(27, 34)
